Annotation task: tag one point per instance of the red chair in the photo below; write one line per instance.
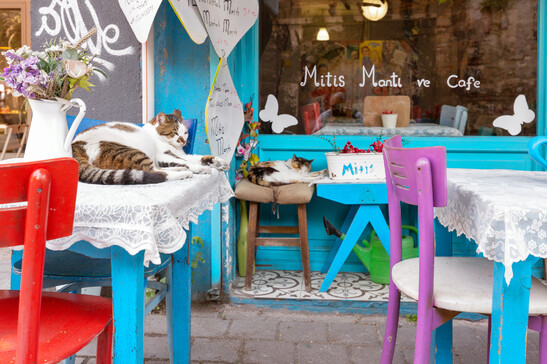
(311, 117)
(46, 327)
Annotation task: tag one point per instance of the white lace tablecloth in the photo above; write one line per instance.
(503, 211)
(423, 129)
(143, 217)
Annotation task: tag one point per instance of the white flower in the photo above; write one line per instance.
(54, 48)
(75, 69)
(24, 51)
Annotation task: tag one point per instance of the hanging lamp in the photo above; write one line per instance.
(374, 10)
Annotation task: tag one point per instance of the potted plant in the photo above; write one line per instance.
(354, 164)
(389, 119)
(47, 79)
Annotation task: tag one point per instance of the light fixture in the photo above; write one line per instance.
(374, 9)
(322, 34)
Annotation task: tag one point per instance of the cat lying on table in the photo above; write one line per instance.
(277, 173)
(117, 153)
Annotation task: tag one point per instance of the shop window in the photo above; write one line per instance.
(14, 32)
(430, 61)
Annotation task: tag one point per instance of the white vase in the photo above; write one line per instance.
(389, 120)
(49, 136)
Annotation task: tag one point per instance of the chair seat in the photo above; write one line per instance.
(68, 322)
(78, 267)
(294, 193)
(462, 284)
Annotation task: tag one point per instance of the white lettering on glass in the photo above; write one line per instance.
(393, 81)
(322, 80)
(463, 83)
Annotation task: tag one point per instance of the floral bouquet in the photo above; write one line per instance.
(54, 72)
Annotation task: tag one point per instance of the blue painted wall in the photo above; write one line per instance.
(182, 82)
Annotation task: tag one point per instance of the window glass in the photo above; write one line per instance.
(446, 68)
(10, 38)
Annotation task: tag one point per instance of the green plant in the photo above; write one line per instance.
(412, 318)
(197, 258)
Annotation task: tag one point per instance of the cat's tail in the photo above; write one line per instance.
(92, 174)
(89, 173)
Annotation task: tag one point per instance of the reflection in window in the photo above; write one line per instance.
(454, 66)
(10, 38)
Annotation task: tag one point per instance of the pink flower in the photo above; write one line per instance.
(75, 69)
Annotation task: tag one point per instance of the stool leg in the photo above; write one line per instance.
(251, 240)
(304, 247)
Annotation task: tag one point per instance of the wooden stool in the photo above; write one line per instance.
(293, 194)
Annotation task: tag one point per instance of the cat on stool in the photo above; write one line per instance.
(278, 173)
(118, 153)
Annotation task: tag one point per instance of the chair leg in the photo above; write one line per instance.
(251, 241)
(423, 333)
(304, 246)
(392, 322)
(488, 341)
(104, 345)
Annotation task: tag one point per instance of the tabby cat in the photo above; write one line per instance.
(123, 153)
(277, 173)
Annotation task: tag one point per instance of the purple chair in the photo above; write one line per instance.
(446, 285)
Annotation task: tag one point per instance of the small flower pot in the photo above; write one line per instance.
(389, 120)
(352, 166)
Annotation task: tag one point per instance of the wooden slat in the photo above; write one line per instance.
(278, 242)
(278, 229)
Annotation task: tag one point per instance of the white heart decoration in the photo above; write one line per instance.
(188, 14)
(227, 21)
(140, 14)
(223, 114)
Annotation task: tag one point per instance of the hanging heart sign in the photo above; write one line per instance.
(223, 114)
(140, 14)
(188, 14)
(227, 21)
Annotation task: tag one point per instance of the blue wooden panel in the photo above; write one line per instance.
(181, 76)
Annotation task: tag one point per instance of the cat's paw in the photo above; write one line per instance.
(199, 169)
(215, 162)
(178, 175)
(321, 173)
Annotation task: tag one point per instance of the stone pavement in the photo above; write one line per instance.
(225, 333)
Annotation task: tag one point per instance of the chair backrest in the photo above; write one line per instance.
(448, 115)
(10, 141)
(460, 120)
(312, 117)
(405, 168)
(37, 201)
(534, 149)
(191, 124)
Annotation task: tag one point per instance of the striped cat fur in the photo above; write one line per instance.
(118, 153)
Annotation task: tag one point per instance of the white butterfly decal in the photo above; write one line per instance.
(522, 114)
(269, 113)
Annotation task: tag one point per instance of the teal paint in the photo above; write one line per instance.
(541, 108)
(181, 76)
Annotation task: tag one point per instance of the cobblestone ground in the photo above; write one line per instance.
(224, 333)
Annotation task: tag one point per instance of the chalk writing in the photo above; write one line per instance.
(226, 21)
(223, 114)
(140, 14)
(64, 18)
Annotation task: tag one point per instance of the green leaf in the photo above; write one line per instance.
(70, 54)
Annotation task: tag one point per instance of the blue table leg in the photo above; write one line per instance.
(128, 300)
(510, 313)
(379, 225)
(15, 279)
(345, 226)
(354, 232)
(178, 306)
(442, 347)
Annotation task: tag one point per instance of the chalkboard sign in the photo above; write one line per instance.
(117, 52)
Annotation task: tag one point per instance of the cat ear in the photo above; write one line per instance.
(178, 113)
(311, 160)
(160, 119)
(294, 157)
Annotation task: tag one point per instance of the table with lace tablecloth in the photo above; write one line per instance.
(413, 129)
(137, 223)
(505, 213)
